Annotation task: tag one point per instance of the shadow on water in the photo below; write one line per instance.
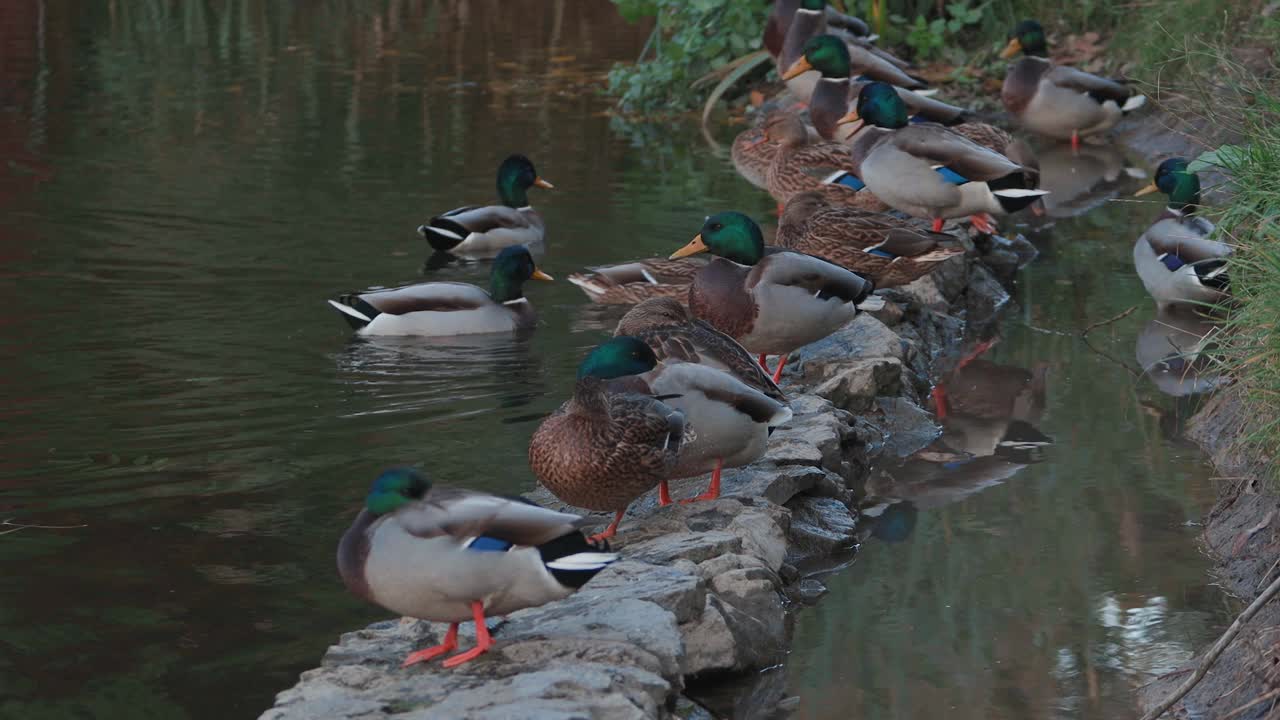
(186, 182)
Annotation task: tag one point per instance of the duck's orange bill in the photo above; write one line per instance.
(851, 118)
(797, 68)
(1147, 190)
(539, 275)
(1013, 48)
(543, 184)
(694, 247)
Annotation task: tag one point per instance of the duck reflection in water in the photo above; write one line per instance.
(1171, 350)
(1080, 181)
(989, 433)
(462, 373)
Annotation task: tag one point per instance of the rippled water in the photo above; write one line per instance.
(186, 182)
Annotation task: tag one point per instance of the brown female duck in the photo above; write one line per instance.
(601, 450)
(631, 282)
(885, 249)
(801, 166)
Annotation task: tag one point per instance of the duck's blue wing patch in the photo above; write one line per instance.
(489, 544)
(917, 119)
(878, 252)
(951, 176)
(848, 180)
(1171, 261)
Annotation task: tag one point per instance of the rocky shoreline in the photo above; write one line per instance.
(704, 592)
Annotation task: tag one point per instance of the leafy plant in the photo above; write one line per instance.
(928, 37)
(690, 38)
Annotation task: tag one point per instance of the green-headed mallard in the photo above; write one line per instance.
(474, 231)
(810, 21)
(451, 555)
(603, 449)
(1175, 258)
(1057, 101)
(449, 308)
(631, 282)
(772, 303)
(727, 400)
(928, 171)
(885, 249)
(800, 166)
(835, 90)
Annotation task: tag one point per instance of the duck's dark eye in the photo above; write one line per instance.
(715, 226)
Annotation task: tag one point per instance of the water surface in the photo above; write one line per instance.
(186, 182)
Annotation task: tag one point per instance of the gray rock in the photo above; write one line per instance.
(810, 590)
(820, 526)
(985, 298)
(692, 546)
(855, 386)
(863, 338)
(678, 591)
(904, 427)
(772, 483)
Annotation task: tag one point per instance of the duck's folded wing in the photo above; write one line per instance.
(465, 513)
(910, 242)
(870, 64)
(947, 149)
(931, 109)
(1170, 237)
(474, 219)
(817, 276)
(721, 387)
(428, 297)
(1099, 87)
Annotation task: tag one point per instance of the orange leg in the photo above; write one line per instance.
(976, 353)
(1075, 141)
(449, 645)
(797, 107)
(940, 401)
(937, 224)
(713, 490)
(763, 362)
(612, 529)
(664, 494)
(483, 641)
(779, 211)
(777, 374)
(983, 223)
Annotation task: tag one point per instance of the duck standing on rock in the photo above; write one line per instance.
(928, 171)
(771, 302)
(449, 308)
(451, 555)
(606, 447)
(480, 232)
(825, 167)
(1056, 101)
(1175, 258)
(728, 400)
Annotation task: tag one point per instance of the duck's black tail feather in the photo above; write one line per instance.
(572, 561)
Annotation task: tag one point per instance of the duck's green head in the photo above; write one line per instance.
(513, 266)
(1175, 180)
(396, 488)
(1027, 37)
(731, 235)
(825, 53)
(878, 104)
(515, 176)
(619, 357)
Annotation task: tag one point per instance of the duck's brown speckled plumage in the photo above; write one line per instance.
(752, 153)
(627, 283)
(674, 335)
(800, 165)
(989, 391)
(843, 236)
(601, 450)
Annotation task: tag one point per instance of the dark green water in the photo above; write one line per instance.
(186, 182)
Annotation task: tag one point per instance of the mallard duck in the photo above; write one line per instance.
(885, 249)
(810, 21)
(603, 449)
(451, 555)
(753, 150)
(928, 171)
(475, 231)
(449, 308)
(729, 403)
(801, 166)
(1175, 258)
(834, 89)
(779, 22)
(1057, 101)
(676, 336)
(1171, 350)
(631, 282)
(771, 303)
